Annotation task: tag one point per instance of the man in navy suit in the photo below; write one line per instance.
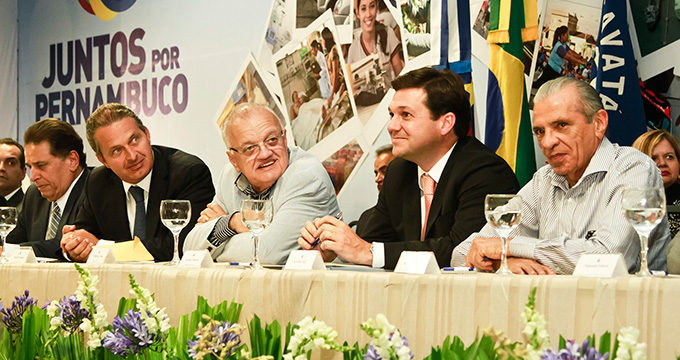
(54, 154)
(12, 172)
(123, 197)
(433, 193)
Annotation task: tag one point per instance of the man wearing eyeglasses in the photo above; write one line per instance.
(262, 167)
(122, 198)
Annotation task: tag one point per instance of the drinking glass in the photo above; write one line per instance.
(644, 208)
(257, 215)
(503, 212)
(8, 221)
(175, 215)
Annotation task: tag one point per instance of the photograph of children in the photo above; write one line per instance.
(341, 164)
(314, 87)
(416, 18)
(568, 41)
(250, 88)
(309, 10)
(375, 55)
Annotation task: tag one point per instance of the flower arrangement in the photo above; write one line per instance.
(75, 327)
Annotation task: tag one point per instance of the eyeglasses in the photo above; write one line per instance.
(254, 149)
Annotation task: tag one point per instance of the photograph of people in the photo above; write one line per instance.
(375, 54)
(559, 58)
(314, 88)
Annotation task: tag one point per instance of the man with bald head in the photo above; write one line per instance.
(262, 166)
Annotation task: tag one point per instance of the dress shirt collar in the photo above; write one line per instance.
(64, 198)
(438, 168)
(243, 185)
(145, 184)
(9, 196)
(599, 163)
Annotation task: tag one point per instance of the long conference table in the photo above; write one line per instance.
(426, 308)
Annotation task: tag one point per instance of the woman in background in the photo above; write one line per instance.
(662, 147)
(375, 38)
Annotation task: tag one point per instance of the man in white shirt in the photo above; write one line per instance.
(433, 194)
(572, 206)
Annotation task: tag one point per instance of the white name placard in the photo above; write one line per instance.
(304, 260)
(101, 255)
(23, 255)
(9, 249)
(196, 259)
(417, 262)
(601, 265)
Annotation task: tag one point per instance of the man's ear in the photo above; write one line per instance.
(601, 120)
(73, 160)
(232, 160)
(448, 120)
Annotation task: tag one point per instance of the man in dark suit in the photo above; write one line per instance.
(433, 194)
(54, 153)
(122, 198)
(383, 158)
(12, 172)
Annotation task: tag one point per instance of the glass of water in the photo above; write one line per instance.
(8, 221)
(644, 208)
(175, 215)
(503, 212)
(257, 215)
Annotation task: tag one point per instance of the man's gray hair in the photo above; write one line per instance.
(590, 102)
(242, 111)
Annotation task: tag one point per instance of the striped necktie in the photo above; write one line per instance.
(54, 222)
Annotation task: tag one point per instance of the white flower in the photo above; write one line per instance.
(310, 335)
(86, 326)
(629, 348)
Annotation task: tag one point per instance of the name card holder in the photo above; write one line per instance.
(101, 255)
(9, 249)
(601, 265)
(196, 259)
(417, 262)
(23, 255)
(304, 260)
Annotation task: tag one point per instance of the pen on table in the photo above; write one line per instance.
(241, 264)
(316, 242)
(459, 269)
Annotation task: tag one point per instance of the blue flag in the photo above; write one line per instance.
(617, 77)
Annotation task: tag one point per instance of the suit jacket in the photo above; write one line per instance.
(457, 209)
(34, 219)
(14, 201)
(176, 175)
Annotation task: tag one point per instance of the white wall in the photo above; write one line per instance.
(8, 68)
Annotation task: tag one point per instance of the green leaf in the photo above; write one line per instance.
(605, 343)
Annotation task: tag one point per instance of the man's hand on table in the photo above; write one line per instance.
(335, 238)
(77, 243)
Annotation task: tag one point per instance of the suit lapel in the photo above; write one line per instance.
(411, 194)
(76, 192)
(157, 192)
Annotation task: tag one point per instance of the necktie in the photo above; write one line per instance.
(428, 191)
(140, 212)
(54, 222)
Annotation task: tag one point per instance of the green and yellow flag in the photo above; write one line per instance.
(508, 123)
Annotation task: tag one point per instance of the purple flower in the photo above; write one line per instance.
(72, 314)
(573, 351)
(219, 335)
(13, 316)
(129, 336)
(371, 354)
